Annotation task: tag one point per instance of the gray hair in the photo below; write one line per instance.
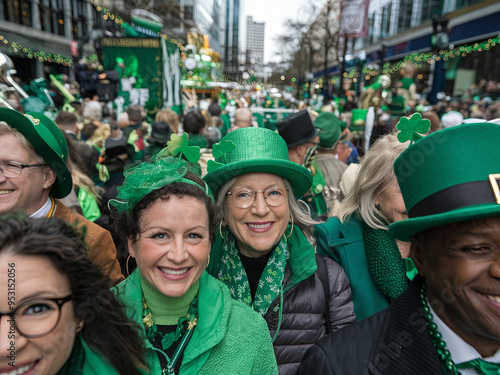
(92, 110)
(375, 174)
(301, 218)
(6, 129)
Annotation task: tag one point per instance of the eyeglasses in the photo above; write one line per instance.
(12, 169)
(245, 197)
(37, 317)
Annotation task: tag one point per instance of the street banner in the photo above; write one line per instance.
(354, 18)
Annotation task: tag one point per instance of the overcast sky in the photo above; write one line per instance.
(274, 13)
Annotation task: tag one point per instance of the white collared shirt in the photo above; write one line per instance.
(43, 211)
(460, 350)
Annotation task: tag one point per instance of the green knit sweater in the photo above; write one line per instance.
(177, 306)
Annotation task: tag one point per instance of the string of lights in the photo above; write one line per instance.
(107, 14)
(42, 56)
(417, 59)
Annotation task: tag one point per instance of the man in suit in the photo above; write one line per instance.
(448, 321)
(34, 175)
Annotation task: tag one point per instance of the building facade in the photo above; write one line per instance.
(43, 26)
(255, 40)
(398, 28)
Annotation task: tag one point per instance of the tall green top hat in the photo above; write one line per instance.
(449, 176)
(48, 141)
(248, 150)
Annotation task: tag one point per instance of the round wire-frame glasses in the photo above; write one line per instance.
(244, 197)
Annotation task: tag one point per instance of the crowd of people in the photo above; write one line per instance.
(222, 241)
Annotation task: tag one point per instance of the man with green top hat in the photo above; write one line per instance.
(34, 175)
(325, 164)
(448, 321)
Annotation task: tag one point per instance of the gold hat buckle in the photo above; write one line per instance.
(494, 178)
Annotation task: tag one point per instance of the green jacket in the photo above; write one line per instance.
(230, 338)
(86, 361)
(344, 244)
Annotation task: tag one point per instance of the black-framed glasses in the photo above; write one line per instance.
(38, 316)
(244, 197)
(12, 169)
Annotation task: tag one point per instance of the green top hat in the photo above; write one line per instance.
(358, 118)
(48, 141)
(397, 106)
(329, 125)
(248, 150)
(449, 176)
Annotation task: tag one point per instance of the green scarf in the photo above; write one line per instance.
(233, 274)
(386, 265)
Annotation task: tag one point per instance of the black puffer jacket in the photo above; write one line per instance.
(303, 317)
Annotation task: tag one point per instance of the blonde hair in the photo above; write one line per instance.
(81, 180)
(170, 117)
(99, 135)
(376, 172)
(300, 217)
(6, 129)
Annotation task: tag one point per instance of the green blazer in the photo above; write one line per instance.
(344, 244)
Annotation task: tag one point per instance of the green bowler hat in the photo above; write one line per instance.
(329, 124)
(48, 141)
(256, 150)
(449, 176)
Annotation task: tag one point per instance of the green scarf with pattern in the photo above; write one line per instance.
(386, 265)
(233, 274)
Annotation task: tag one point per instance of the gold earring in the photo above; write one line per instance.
(208, 261)
(220, 231)
(126, 264)
(291, 218)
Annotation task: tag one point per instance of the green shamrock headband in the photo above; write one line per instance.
(165, 168)
(411, 129)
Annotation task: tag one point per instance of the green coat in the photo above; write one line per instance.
(86, 361)
(344, 244)
(230, 338)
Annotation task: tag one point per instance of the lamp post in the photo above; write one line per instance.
(439, 41)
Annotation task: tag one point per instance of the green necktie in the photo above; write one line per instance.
(482, 366)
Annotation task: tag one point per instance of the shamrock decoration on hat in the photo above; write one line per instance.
(167, 167)
(411, 129)
(178, 145)
(218, 150)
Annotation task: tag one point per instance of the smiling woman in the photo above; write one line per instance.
(190, 323)
(57, 314)
(263, 253)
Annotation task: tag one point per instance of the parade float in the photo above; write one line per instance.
(147, 63)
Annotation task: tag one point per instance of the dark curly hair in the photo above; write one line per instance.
(107, 330)
(126, 224)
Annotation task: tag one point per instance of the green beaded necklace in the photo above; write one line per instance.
(185, 327)
(439, 344)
